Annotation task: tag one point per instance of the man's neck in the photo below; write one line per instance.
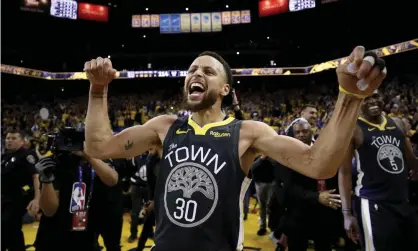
(374, 119)
(12, 150)
(208, 116)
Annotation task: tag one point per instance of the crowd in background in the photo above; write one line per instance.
(276, 108)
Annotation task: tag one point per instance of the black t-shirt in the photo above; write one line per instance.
(263, 170)
(17, 169)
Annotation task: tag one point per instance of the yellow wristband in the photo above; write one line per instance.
(352, 94)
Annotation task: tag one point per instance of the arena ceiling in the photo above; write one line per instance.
(299, 38)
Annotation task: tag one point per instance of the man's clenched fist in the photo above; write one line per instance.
(100, 71)
(362, 73)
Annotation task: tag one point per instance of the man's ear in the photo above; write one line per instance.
(226, 90)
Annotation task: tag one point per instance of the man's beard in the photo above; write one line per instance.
(209, 99)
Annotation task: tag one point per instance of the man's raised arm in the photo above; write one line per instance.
(100, 141)
(358, 78)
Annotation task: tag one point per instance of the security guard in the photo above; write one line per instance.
(17, 171)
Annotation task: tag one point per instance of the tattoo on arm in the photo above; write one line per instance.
(129, 145)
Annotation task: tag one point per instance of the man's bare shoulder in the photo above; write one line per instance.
(161, 123)
(252, 127)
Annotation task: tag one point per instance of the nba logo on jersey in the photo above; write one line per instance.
(78, 197)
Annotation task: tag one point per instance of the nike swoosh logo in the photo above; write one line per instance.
(182, 132)
(371, 129)
(390, 127)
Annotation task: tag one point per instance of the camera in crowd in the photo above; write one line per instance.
(67, 139)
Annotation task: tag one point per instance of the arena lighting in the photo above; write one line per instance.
(146, 9)
(144, 36)
(227, 6)
(187, 9)
(240, 72)
(108, 56)
(237, 52)
(238, 82)
(268, 37)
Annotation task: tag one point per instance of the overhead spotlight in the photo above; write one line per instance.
(146, 9)
(237, 52)
(238, 82)
(122, 45)
(110, 4)
(268, 37)
(227, 6)
(187, 9)
(62, 89)
(21, 61)
(144, 36)
(108, 56)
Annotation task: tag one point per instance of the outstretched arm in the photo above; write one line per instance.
(100, 141)
(322, 160)
(358, 78)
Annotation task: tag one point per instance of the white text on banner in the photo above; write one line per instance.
(185, 22)
(136, 21)
(245, 17)
(236, 17)
(226, 17)
(196, 22)
(206, 22)
(155, 20)
(216, 21)
(145, 21)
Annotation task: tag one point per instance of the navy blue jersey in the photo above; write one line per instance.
(382, 174)
(200, 188)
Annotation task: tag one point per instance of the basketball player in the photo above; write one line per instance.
(382, 155)
(205, 156)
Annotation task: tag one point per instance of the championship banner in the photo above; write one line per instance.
(40, 6)
(155, 21)
(175, 23)
(297, 5)
(165, 26)
(93, 12)
(206, 22)
(226, 17)
(272, 7)
(236, 17)
(145, 21)
(185, 22)
(216, 22)
(246, 72)
(64, 9)
(196, 23)
(245, 17)
(136, 21)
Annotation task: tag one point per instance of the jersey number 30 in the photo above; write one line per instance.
(185, 210)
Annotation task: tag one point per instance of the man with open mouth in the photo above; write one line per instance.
(206, 156)
(382, 153)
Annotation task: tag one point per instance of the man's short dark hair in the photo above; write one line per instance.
(308, 106)
(15, 131)
(227, 100)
